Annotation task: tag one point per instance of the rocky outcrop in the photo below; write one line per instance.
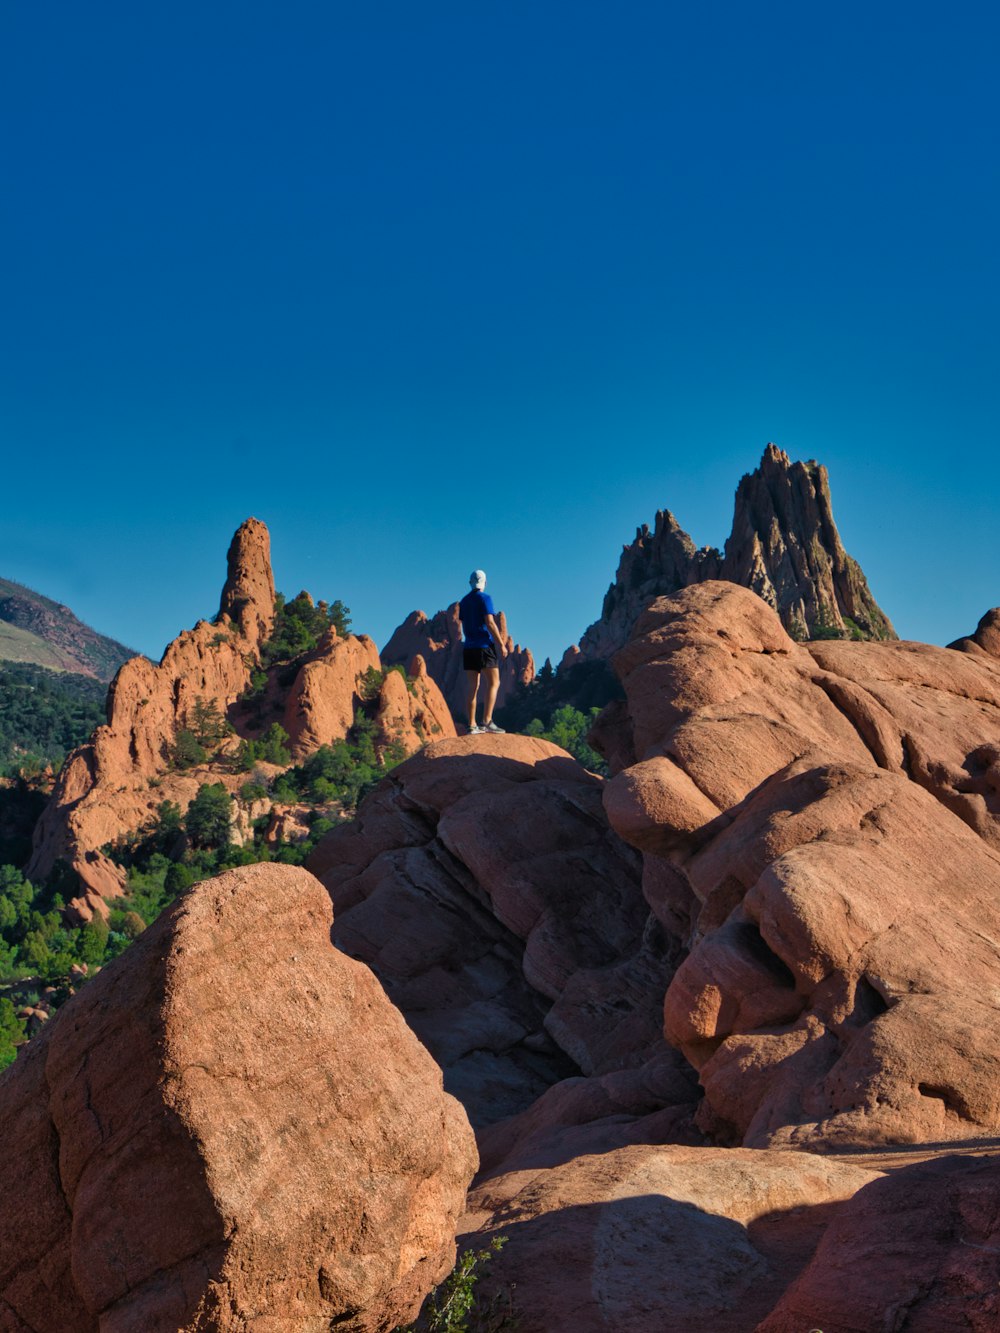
(784, 546)
(229, 1127)
(439, 642)
(48, 633)
(115, 783)
(482, 885)
(411, 709)
(656, 1239)
(248, 593)
(327, 692)
(793, 805)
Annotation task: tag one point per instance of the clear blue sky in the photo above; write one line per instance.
(434, 286)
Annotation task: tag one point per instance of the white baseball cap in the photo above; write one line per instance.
(477, 579)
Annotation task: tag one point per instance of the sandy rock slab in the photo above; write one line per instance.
(654, 1239)
(230, 1128)
(917, 1250)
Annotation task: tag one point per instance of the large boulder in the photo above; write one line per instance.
(821, 826)
(230, 1127)
(483, 886)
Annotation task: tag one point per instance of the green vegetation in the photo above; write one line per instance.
(299, 626)
(585, 686)
(345, 771)
(11, 1033)
(35, 939)
(453, 1307)
(568, 729)
(201, 741)
(45, 714)
(271, 748)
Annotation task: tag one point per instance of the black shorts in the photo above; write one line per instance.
(478, 659)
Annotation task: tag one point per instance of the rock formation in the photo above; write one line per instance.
(819, 828)
(116, 782)
(792, 804)
(784, 545)
(229, 1128)
(914, 1250)
(484, 888)
(439, 642)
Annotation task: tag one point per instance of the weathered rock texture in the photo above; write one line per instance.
(784, 545)
(915, 1250)
(656, 1239)
(483, 886)
(229, 1128)
(115, 783)
(439, 642)
(821, 825)
(103, 790)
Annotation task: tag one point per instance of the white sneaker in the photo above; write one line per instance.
(474, 730)
(492, 727)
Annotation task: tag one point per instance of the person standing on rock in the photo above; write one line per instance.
(482, 642)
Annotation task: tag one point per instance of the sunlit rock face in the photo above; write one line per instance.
(229, 1127)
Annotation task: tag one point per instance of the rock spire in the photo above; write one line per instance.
(784, 546)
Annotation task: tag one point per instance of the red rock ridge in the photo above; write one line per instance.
(116, 782)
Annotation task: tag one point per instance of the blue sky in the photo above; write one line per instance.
(442, 286)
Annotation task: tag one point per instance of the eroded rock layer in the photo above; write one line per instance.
(784, 545)
(821, 825)
(114, 784)
(483, 886)
(229, 1128)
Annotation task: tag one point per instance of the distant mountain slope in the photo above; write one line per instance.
(36, 629)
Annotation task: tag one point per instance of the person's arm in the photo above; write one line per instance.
(496, 636)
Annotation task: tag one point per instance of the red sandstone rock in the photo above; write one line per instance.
(230, 1127)
(412, 712)
(915, 1250)
(439, 642)
(654, 1239)
(115, 783)
(326, 693)
(248, 594)
(481, 883)
(841, 903)
(103, 790)
(784, 546)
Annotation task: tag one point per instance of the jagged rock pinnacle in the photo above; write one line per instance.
(784, 545)
(248, 595)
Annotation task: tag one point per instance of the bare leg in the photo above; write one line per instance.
(473, 689)
(492, 675)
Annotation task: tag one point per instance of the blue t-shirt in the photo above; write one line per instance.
(473, 609)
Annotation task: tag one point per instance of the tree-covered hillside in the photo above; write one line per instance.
(45, 714)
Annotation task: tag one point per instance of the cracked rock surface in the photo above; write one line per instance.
(229, 1127)
(821, 825)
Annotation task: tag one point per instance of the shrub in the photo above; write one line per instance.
(452, 1307)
